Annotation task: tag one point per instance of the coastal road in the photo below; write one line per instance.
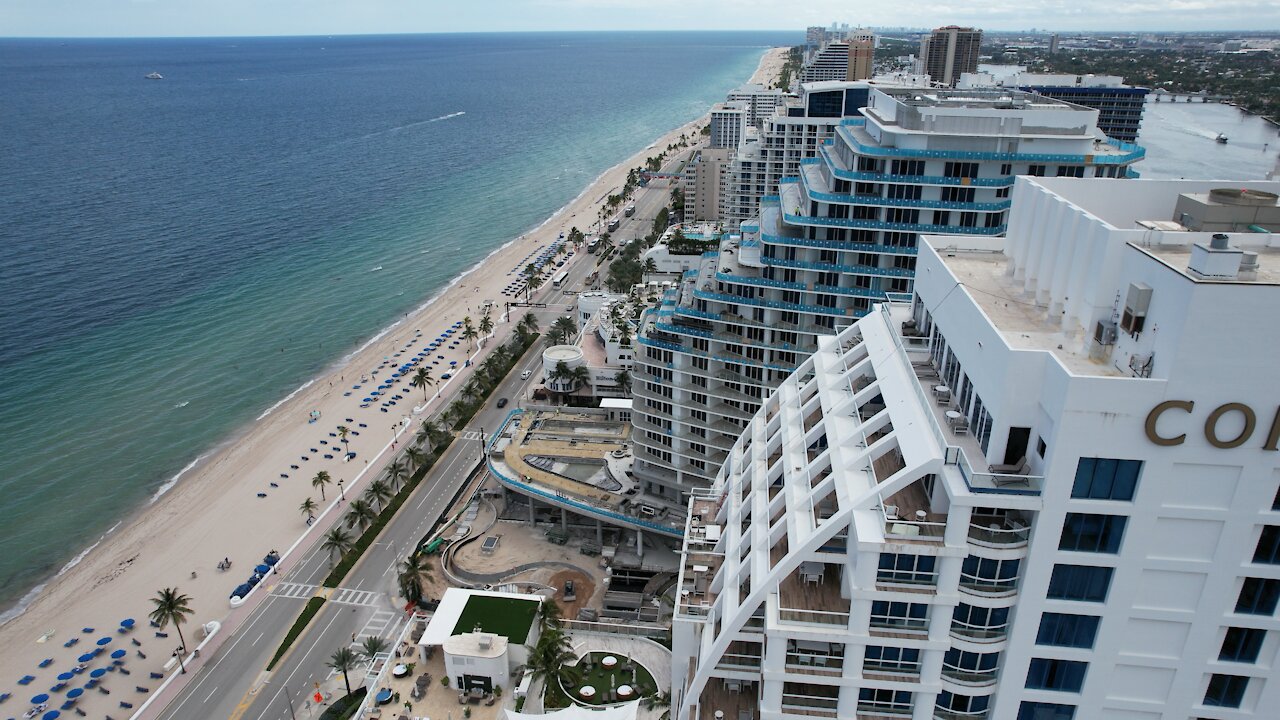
(232, 686)
(233, 683)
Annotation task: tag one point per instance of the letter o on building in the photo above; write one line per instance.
(1211, 425)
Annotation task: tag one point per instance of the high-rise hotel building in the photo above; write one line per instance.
(1045, 488)
(839, 236)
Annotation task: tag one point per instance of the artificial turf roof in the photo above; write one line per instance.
(508, 617)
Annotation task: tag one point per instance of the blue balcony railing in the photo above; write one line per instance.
(837, 267)
(760, 282)
(838, 245)
(848, 199)
(873, 177)
(894, 227)
(776, 304)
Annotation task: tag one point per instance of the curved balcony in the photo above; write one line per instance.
(839, 245)
(759, 281)
(970, 678)
(876, 200)
(858, 176)
(981, 634)
(997, 533)
(948, 714)
(988, 587)
(891, 226)
(776, 304)
(837, 267)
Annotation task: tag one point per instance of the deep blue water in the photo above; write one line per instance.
(161, 242)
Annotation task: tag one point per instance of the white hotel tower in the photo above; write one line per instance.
(837, 237)
(1044, 489)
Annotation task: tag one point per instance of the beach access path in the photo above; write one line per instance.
(226, 507)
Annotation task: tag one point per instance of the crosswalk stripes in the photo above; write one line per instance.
(377, 625)
(471, 435)
(363, 598)
(294, 590)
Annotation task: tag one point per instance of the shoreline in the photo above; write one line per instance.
(202, 504)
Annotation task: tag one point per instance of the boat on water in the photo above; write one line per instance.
(1222, 139)
(155, 76)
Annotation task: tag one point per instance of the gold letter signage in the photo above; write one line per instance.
(1211, 432)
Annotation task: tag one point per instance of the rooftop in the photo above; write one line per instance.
(1022, 323)
(476, 644)
(974, 98)
(461, 611)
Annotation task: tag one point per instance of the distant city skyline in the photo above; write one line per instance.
(185, 18)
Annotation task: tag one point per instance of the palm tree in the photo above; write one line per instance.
(472, 389)
(567, 326)
(659, 701)
(336, 541)
(320, 480)
(529, 323)
(397, 472)
(623, 380)
(469, 333)
(171, 606)
(415, 456)
(308, 509)
(344, 660)
(372, 646)
(414, 570)
(580, 376)
(486, 324)
(378, 492)
(360, 514)
(548, 660)
(343, 432)
(555, 336)
(534, 283)
(428, 432)
(624, 335)
(421, 379)
(549, 620)
(650, 267)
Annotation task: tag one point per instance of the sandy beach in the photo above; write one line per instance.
(244, 500)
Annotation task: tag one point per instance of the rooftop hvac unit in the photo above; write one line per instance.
(1136, 303)
(1104, 333)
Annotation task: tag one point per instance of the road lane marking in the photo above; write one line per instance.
(210, 695)
(255, 640)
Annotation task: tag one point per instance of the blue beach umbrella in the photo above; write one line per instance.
(51, 715)
(104, 640)
(128, 623)
(85, 657)
(118, 654)
(262, 569)
(66, 676)
(95, 674)
(74, 693)
(37, 699)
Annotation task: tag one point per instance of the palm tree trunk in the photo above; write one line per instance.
(346, 681)
(181, 639)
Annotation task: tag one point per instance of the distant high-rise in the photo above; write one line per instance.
(861, 59)
(949, 51)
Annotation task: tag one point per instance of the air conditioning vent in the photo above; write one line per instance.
(1136, 303)
(1104, 333)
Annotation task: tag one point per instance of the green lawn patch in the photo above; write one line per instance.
(308, 612)
(507, 617)
(601, 678)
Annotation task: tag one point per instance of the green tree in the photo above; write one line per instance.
(623, 380)
(343, 432)
(308, 509)
(529, 323)
(373, 646)
(469, 333)
(336, 542)
(486, 324)
(650, 267)
(415, 456)
(421, 379)
(319, 481)
(414, 572)
(378, 492)
(171, 606)
(429, 433)
(534, 283)
(566, 326)
(360, 514)
(549, 658)
(344, 661)
(398, 472)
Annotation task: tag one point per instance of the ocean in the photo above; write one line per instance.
(179, 255)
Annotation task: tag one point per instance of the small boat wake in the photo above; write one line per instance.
(376, 269)
(183, 404)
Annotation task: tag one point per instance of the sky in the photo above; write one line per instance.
(180, 18)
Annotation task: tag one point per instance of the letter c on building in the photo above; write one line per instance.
(1154, 416)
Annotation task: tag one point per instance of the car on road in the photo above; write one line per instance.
(446, 376)
(502, 402)
(525, 375)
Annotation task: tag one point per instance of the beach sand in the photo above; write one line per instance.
(215, 511)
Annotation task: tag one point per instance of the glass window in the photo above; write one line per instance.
(1106, 479)
(1226, 691)
(1084, 532)
(1052, 674)
(1045, 711)
(1063, 630)
(1258, 596)
(1085, 583)
(1268, 550)
(1242, 645)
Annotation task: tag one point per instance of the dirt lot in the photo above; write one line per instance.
(584, 589)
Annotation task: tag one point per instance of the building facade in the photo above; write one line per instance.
(949, 51)
(840, 235)
(1119, 106)
(1031, 492)
(758, 101)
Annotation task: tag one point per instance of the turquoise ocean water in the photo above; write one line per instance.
(180, 255)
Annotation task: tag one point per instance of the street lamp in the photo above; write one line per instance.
(178, 654)
(341, 492)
